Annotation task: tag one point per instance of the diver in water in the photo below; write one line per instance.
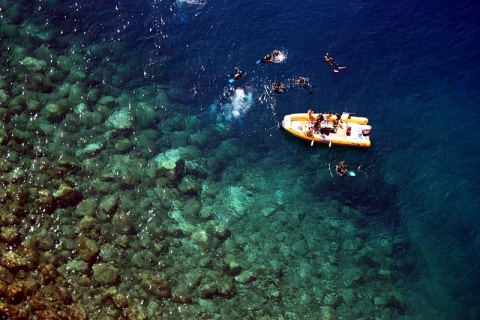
(333, 64)
(267, 59)
(270, 58)
(238, 74)
(342, 169)
(278, 87)
(302, 82)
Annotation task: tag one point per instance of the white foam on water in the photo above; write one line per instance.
(192, 2)
(281, 57)
(240, 102)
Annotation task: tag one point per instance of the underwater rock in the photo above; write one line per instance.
(120, 120)
(24, 258)
(122, 223)
(226, 287)
(86, 208)
(201, 139)
(107, 101)
(246, 277)
(10, 235)
(207, 212)
(180, 170)
(43, 53)
(267, 211)
(33, 106)
(76, 76)
(49, 273)
(105, 274)
(90, 149)
(200, 238)
(396, 302)
(189, 186)
(3, 138)
(74, 266)
(156, 284)
(53, 112)
(222, 232)
(232, 266)
(40, 83)
(123, 145)
(182, 294)
(45, 201)
(73, 311)
(3, 98)
(327, 313)
(66, 196)
(207, 290)
(7, 311)
(93, 95)
(120, 300)
(109, 203)
(14, 292)
(32, 64)
(50, 297)
(145, 115)
(64, 63)
(4, 115)
(18, 194)
(88, 224)
(379, 301)
(144, 259)
(48, 314)
(87, 248)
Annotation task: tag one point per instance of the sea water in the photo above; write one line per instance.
(411, 69)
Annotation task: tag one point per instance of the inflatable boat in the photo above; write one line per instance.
(344, 130)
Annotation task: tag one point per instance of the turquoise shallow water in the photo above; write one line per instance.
(411, 69)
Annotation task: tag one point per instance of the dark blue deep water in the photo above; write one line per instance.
(412, 68)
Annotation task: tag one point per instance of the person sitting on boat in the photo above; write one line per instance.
(320, 117)
(309, 133)
(278, 87)
(310, 115)
(327, 117)
(336, 121)
(341, 169)
(316, 126)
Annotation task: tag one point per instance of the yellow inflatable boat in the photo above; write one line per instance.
(344, 130)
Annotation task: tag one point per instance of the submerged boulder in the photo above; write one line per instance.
(66, 196)
(105, 274)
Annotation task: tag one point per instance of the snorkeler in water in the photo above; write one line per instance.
(332, 63)
(341, 169)
(302, 82)
(267, 59)
(270, 58)
(238, 74)
(278, 87)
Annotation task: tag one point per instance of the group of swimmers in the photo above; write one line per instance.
(278, 86)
